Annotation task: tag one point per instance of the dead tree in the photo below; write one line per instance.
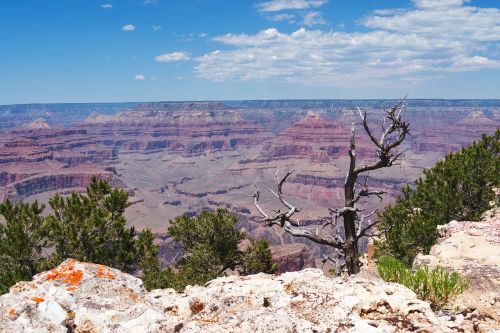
(355, 228)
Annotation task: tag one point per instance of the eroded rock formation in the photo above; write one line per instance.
(292, 257)
(82, 297)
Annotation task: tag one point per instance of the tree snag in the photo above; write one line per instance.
(353, 217)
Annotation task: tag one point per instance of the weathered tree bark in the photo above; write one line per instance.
(353, 223)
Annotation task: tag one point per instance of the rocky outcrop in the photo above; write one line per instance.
(313, 137)
(42, 184)
(472, 249)
(82, 297)
(38, 123)
(292, 257)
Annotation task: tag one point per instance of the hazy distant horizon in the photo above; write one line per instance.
(465, 100)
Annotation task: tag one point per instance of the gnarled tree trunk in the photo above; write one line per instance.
(354, 228)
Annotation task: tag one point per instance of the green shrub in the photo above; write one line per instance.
(436, 286)
(210, 242)
(257, 258)
(391, 269)
(460, 187)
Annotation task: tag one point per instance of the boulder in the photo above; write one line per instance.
(84, 297)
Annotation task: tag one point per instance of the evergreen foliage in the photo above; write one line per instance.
(257, 258)
(23, 238)
(210, 241)
(460, 187)
(91, 227)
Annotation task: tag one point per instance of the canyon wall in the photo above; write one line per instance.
(181, 157)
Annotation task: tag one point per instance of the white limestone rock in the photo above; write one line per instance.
(83, 297)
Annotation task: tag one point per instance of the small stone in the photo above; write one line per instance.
(52, 311)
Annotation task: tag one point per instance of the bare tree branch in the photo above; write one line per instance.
(367, 129)
(385, 158)
(363, 231)
(378, 234)
(304, 233)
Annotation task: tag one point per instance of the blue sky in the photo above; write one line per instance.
(147, 50)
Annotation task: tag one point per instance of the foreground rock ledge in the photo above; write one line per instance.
(84, 297)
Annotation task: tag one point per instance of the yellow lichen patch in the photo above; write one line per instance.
(37, 300)
(208, 320)
(66, 273)
(104, 272)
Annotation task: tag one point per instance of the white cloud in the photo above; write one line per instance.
(452, 22)
(139, 77)
(174, 56)
(156, 27)
(282, 17)
(107, 6)
(313, 18)
(278, 5)
(128, 27)
(461, 63)
(438, 3)
(398, 46)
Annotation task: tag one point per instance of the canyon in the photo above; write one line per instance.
(178, 158)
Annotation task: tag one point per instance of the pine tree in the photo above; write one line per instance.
(91, 227)
(22, 242)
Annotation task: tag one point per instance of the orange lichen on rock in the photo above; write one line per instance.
(66, 272)
(71, 289)
(37, 300)
(12, 312)
(104, 272)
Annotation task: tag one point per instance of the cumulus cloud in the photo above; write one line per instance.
(398, 46)
(438, 3)
(282, 17)
(139, 77)
(278, 5)
(128, 27)
(107, 5)
(174, 56)
(441, 22)
(313, 18)
(156, 27)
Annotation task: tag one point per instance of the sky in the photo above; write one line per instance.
(55, 51)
